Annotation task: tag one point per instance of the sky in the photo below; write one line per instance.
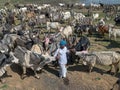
(102, 1)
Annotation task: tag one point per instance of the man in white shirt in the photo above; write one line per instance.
(61, 56)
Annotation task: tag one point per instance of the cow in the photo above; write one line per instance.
(41, 19)
(13, 40)
(95, 16)
(117, 20)
(78, 16)
(23, 9)
(61, 4)
(84, 25)
(79, 29)
(107, 58)
(114, 32)
(53, 25)
(66, 31)
(37, 48)
(9, 40)
(66, 15)
(29, 59)
(6, 59)
(83, 44)
(103, 29)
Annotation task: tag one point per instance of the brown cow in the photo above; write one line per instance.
(103, 29)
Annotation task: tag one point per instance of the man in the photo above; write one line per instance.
(46, 43)
(61, 56)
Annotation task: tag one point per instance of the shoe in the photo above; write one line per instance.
(66, 81)
(60, 77)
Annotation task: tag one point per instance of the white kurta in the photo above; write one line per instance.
(62, 54)
(62, 61)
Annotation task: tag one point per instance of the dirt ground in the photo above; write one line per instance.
(79, 78)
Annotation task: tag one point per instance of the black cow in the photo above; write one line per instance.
(83, 44)
(89, 29)
(117, 20)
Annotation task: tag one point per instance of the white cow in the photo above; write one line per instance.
(78, 16)
(24, 9)
(66, 15)
(106, 58)
(114, 32)
(46, 5)
(61, 4)
(53, 25)
(66, 31)
(95, 16)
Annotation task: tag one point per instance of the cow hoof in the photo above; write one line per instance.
(23, 77)
(3, 81)
(9, 75)
(109, 72)
(113, 74)
(36, 76)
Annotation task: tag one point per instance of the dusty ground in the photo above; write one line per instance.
(79, 79)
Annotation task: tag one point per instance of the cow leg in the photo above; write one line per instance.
(109, 71)
(24, 73)
(7, 75)
(115, 37)
(36, 75)
(116, 66)
(109, 36)
(80, 33)
(90, 68)
(49, 31)
(2, 73)
(2, 80)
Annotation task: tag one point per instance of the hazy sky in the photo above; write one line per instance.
(102, 1)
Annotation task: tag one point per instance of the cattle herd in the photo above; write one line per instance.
(30, 34)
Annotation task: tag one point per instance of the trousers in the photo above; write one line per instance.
(63, 70)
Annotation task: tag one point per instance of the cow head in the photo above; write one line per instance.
(83, 44)
(47, 60)
(81, 55)
(12, 58)
(4, 48)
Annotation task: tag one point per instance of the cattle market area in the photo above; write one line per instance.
(87, 32)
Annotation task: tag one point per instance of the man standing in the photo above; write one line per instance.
(61, 56)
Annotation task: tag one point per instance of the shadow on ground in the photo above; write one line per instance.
(113, 44)
(18, 69)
